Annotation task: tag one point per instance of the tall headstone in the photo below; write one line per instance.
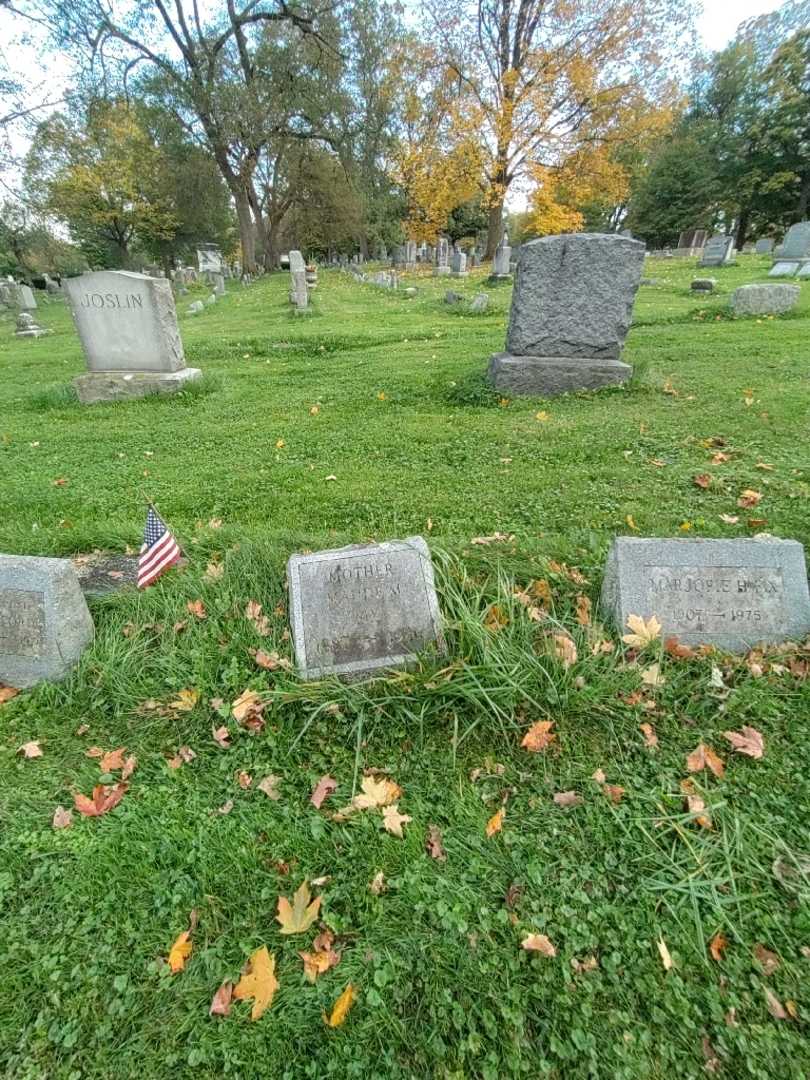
(730, 593)
(22, 297)
(364, 609)
(718, 251)
(218, 281)
(691, 242)
(44, 622)
(795, 251)
(209, 259)
(501, 264)
(410, 255)
(442, 266)
(127, 324)
(299, 294)
(571, 310)
(459, 264)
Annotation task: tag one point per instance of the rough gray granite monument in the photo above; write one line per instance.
(364, 609)
(44, 622)
(299, 294)
(459, 264)
(764, 299)
(128, 328)
(442, 266)
(718, 251)
(729, 593)
(571, 310)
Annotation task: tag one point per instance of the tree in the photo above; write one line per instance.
(788, 126)
(540, 81)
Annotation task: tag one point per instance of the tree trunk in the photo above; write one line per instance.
(494, 229)
(247, 238)
(804, 198)
(742, 227)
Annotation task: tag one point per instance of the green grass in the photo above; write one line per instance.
(88, 913)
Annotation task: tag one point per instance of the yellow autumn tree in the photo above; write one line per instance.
(542, 80)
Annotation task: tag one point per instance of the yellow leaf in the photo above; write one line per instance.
(539, 736)
(297, 917)
(185, 701)
(496, 618)
(393, 820)
(542, 416)
(180, 952)
(341, 1007)
(631, 523)
(495, 823)
(538, 943)
(374, 793)
(643, 633)
(666, 959)
(259, 983)
(652, 676)
(316, 963)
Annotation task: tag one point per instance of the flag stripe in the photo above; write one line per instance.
(160, 550)
(167, 551)
(156, 551)
(157, 568)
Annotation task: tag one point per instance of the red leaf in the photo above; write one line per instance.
(325, 786)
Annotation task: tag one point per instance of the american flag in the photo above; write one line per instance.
(160, 550)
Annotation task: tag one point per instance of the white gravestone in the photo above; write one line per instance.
(128, 328)
(363, 609)
(209, 260)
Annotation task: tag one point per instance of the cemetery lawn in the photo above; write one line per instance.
(369, 418)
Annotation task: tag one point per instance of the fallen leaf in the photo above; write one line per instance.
(720, 458)
(495, 823)
(179, 952)
(314, 410)
(565, 649)
(62, 818)
(643, 633)
(434, 845)
(30, 749)
(590, 963)
(184, 756)
(650, 738)
(695, 805)
(599, 776)
(259, 982)
(716, 947)
(542, 416)
(652, 676)
(130, 765)
(221, 736)
(767, 960)
(297, 917)
(673, 648)
(663, 951)
(7, 693)
(253, 613)
(710, 1055)
(747, 741)
(269, 785)
(613, 792)
(316, 963)
(374, 793)
(775, 1007)
(226, 807)
(584, 606)
(342, 1006)
(567, 798)
(729, 519)
(762, 465)
(94, 752)
(539, 736)
(631, 524)
(749, 498)
(113, 760)
(214, 571)
(702, 480)
(248, 709)
(104, 799)
(496, 538)
(541, 590)
(495, 619)
(197, 609)
(538, 943)
(703, 757)
(221, 1001)
(270, 661)
(716, 679)
(393, 820)
(324, 788)
(330, 477)
(244, 779)
(377, 885)
(185, 701)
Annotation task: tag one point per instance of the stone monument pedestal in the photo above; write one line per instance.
(98, 386)
(441, 271)
(546, 376)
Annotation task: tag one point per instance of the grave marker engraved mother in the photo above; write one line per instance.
(729, 593)
(363, 609)
(128, 328)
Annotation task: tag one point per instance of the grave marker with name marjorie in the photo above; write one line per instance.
(730, 593)
(363, 609)
(128, 328)
(44, 622)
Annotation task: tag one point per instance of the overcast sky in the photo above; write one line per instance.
(722, 17)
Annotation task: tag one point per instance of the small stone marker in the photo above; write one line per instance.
(459, 264)
(299, 294)
(764, 246)
(571, 310)
(196, 307)
(764, 299)
(729, 593)
(363, 609)
(480, 302)
(26, 327)
(128, 328)
(706, 284)
(442, 266)
(209, 259)
(44, 621)
(718, 251)
(783, 269)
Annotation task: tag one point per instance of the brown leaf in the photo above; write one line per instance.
(590, 963)
(393, 820)
(703, 480)
(613, 792)
(197, 609)
(270, 661)
(248, 709)
(720, 458)
(377, 885)
(130, 765)
(244, 779)
(62, 818)
(583, 610)
(539, 736)
(221, 736)
(269, 785)
(650, 738)
(541, 590)
(747, 741)
(316, 963)
(30, 749)
(767, 960)
(7, 693)
(710, 1055)
(94, 752)
(221, 1001)
(538, 943)
(749, 499)
(716, 947)
(104, 799)
(495, 619)
(253, 613)
(775, 1007)
(113, 760)
(695, 805)
(324, 788)
(567, 798)
(677, 651)
(703, 757)
(495, 823)
(565, 649)
(434, 845)
(342, 1006)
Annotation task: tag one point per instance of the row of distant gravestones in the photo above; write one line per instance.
(360, 611)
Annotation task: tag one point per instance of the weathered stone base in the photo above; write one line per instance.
(547, 376)
(499, 277)
(441, 271)
(99, 386)
(461, 273)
